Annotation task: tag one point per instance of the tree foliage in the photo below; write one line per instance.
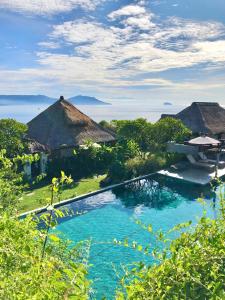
(12, 135)
(141, 146)
(166, 130)
(136, 130)
(108, 125)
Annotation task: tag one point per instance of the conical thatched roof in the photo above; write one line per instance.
(63, 125)
(203, 117)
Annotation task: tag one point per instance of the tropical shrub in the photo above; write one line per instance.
(34, 263)
(193, 267)
(116, 173)
(126, 149)
(122, 152)
(26, 274)
(142, 166)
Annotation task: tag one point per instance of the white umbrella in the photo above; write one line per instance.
(204, 141)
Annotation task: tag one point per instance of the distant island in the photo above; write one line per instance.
(167, 103)
(86, 100)
(6, 100)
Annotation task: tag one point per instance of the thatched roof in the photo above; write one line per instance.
(63, 125)
(203, 117)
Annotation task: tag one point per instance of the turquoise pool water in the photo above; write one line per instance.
(110, 215)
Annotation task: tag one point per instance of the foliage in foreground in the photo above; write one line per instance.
(24, 274)
(10, 182)
(192, 268)
(33, 263)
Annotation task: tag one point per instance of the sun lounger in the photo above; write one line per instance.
(221, 164)
(200, 164)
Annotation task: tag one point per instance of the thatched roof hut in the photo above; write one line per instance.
(62, 125)
(203, 117)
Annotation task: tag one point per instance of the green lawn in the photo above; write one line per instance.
(36, 197)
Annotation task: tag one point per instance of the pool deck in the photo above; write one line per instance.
(193, 175)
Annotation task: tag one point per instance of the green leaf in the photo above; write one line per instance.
(54, 238)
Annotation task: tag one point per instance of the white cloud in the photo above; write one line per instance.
(113, 57)
(133, 15)
(180, 33)
(81, 32)
(43, 7)
(153, 59)
(129, 10)
(143, 22)
(49, 45)
(118, 52)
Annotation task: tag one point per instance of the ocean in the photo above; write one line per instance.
(152, 112)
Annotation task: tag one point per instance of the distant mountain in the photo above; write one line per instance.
(42, 99)
(86, 100)
(167, 103)
(24, 99)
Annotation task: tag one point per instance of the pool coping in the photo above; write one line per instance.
(70, 200)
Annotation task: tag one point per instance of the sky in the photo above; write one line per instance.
(116, 50)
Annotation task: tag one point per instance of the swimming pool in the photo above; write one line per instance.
(161, 202)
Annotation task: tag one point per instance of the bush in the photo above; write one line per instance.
(24, 274)
(87, 161)
(117, 173)
(142, 166)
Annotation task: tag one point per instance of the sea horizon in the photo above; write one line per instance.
(126, 111)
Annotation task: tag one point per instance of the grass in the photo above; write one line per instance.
(36, 197)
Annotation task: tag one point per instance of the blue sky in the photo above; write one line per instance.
(172, 50)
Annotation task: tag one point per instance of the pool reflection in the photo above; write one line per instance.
(159, 192)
